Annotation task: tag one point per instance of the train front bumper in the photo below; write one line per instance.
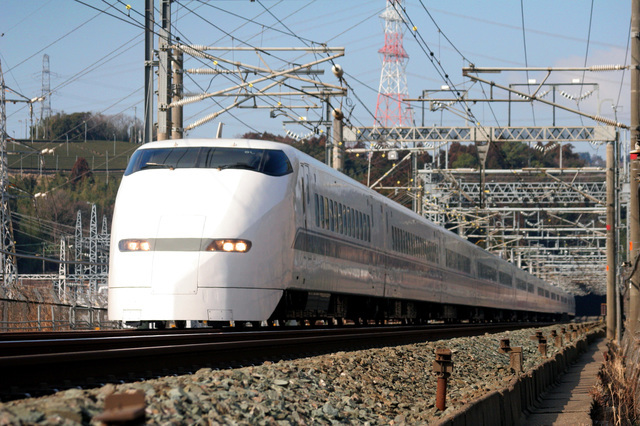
(208, 304)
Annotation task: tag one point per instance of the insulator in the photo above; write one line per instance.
(207, 71)
(608, 121)
(587, 94)
(607, 67)
(543, 94)
(566, 95)
(337, 70)
(195, 47)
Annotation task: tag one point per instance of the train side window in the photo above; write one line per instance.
(359, 224)
(408, 251)
(317, 211)
(341, 217)
(368, 228)
(354, 223)
(321, 211)
(405, 242)
(505, 278)
(486, 272)
(365, 227)
(334, 216)
(354, 213)
(408, 239)
(365, 217)
(331, 222)
(345, 226)
(326, 213)
(394, 238)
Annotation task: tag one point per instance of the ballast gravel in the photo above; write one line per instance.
(391, 385)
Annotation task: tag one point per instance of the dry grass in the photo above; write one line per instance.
(615, 396)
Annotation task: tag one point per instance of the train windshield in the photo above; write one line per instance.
(272, 162)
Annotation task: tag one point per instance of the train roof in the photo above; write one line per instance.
(242, 143)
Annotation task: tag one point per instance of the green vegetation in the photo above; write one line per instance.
(60, 156)
(44, 207)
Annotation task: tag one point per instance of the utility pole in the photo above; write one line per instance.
(176, 112)
(148, 71)
(338, 151)
(611, 244)
(634, 168)
(164, 72)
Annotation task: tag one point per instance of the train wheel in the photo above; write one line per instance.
(160, 325)
(144, 325)
(181, 324)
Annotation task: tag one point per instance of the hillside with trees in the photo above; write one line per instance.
(45, 207)
(81, 126)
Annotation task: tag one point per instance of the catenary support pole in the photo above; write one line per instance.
(634, 168)
(611, 245)
(148, 71)
(164, 71)
(176, 112)
(338, 147)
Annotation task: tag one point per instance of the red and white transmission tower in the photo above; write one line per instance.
(392, 110)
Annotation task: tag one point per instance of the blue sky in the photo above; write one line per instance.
(96, 60)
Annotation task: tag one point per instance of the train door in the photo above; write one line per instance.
(302, 253)
(305, 194)
(386, 245)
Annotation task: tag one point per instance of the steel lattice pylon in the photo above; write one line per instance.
(8, 246)
(86, 282)
(45, 111)
(392, 110)
(548, 221)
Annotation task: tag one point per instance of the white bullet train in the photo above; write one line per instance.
(247, 230)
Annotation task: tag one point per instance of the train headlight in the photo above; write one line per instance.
(134, 245)
(230, 246)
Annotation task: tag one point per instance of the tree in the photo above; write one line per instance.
(78, 125)
(80, 171)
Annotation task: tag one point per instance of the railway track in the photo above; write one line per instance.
(33, 364)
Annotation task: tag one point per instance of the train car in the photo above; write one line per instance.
(246, 231)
